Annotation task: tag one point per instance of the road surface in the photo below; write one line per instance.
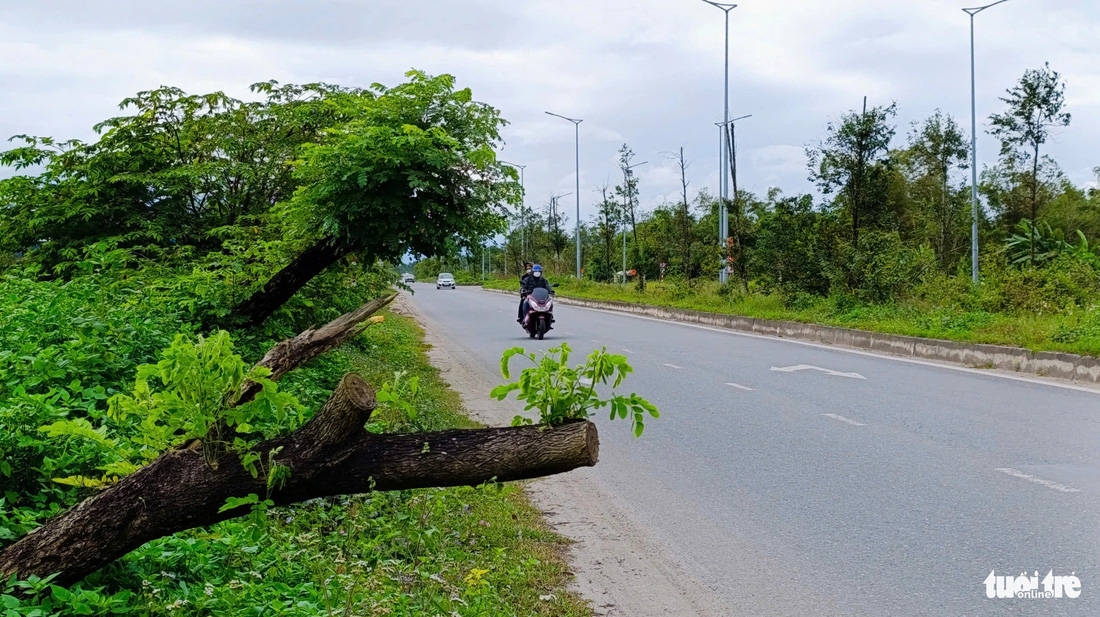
(790, 478)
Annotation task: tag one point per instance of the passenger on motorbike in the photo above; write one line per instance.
(523, 280)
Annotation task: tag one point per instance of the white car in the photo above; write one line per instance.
(446, 279)
(408, 279)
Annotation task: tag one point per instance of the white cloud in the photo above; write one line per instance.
(647, 72)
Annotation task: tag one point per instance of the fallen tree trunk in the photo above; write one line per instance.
(293, 352)
(332, 454)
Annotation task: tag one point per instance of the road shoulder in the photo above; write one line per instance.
(619, 565)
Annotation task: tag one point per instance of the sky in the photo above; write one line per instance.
(648, 73)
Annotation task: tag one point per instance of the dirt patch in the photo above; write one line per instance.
(619, 565)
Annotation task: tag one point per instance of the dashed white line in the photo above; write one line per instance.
(674, 366)
(1030, 478)
(740, 387)
(625, 350)
(595, 341)
(843, 419)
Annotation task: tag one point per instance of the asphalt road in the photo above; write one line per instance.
(876, 485)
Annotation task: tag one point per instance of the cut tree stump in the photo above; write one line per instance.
(331, 454)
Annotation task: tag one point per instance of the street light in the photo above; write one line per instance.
(577, 129)
(628, 174)
(523, 200)
(723, 187)
(974, 144)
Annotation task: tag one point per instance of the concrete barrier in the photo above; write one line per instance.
(1067, 366)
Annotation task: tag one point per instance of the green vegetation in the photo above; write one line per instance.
(945, 309)
(562, 393)
(136, 290)
(886, 245)
(469, 551)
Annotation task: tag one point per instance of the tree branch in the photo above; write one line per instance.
(331, 454)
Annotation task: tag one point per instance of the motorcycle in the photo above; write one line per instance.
(540, 313)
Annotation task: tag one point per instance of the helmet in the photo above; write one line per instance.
(537, 268)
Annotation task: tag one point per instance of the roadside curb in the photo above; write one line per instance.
(1071, 367)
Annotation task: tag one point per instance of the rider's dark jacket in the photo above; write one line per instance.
(529, 283)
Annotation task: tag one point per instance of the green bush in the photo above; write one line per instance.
(883, 268)
(1066, 283)
(1079, 327)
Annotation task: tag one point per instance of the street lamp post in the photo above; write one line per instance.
(628, 175)
(577, 129)
(974, 145)
(723, 185)
(727, 147)
(523, 200)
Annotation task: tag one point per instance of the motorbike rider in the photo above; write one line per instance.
(524, 278)
(529, 284)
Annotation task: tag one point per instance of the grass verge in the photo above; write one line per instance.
(460, 551)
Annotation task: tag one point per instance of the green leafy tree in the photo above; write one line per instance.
(628, 192)
(178, 168)
(790, 255)
(415, 170)
(854, 162)
(1035, 106)
(605, 222)
(937, 149)
(555, 226)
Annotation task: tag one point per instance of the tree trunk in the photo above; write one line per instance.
(294, 352)
(1034, 201)
(332, 454)
(286, 282)
(685, 223)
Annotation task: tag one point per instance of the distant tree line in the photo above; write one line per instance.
(894, 211)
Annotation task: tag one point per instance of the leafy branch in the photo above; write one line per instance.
(564, 394)
(191, 393)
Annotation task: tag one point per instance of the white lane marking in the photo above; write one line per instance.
(843, 419)
(674, 366)
(740, 387)
(627, 350)
(1030, 478)
(595, 341)
(585, 381)
(995, 373)
(571, 334)
(807, 367)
